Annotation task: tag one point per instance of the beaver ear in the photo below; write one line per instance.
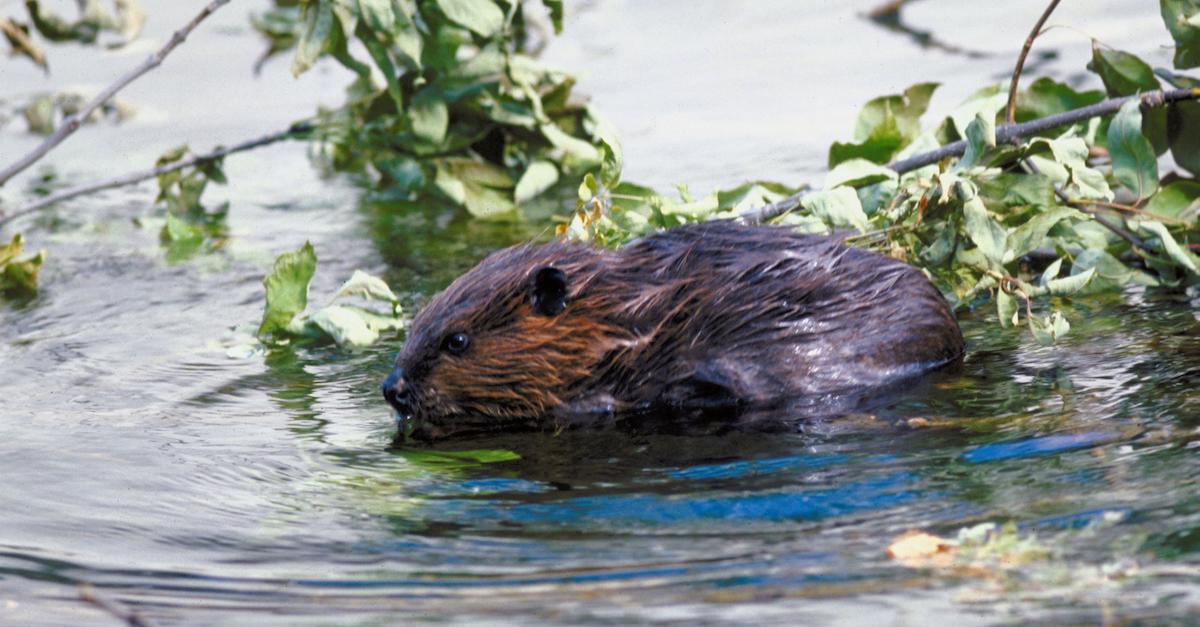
(549, 291)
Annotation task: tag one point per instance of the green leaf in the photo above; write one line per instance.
(1073, 173)
(1110, 273)
(429, 116)
(19, 276)
(752, 195)
(1031, 234)
(1045, 97)
(556, 14)
(904, 111)
(838, 206)
(981, 138)
(1179, 16)
(1123, 74)
(481, 17)
(1183, 134)
(576, 152)
(1006, 309)
(1050, 329)
(377, 15)
(1069, 285)
(1176, 252)
(1178, 199)
(540, 176)
(318, 25)
(287, 289)
(1133, 159)
(987, 234)
(178, 230)
(858, 173)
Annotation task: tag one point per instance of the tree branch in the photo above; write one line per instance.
(1004, 134)
(1010, 115)
(1010, 132)
(72, 123)
(296, 130)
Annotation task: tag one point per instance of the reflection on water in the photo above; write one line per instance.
(189, 486)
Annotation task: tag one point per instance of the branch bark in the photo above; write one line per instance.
(1012, 132)
(296, 130)
(1010, 114)
(72, 123)
(1004, 134)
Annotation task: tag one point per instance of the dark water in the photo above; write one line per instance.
(138, 456)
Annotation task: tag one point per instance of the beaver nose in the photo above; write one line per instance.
(397, 392)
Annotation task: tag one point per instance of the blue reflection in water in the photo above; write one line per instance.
(1046, 445)
(887, 491)
(758, 467)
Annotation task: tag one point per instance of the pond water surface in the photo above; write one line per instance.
(138, 457)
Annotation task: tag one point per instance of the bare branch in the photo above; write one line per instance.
(296, 130)
(72, 123)
(1010, 115)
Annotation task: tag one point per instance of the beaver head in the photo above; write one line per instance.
(504, 344)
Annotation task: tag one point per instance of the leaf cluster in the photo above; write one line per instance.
(92, 20)
(18, 276)
(347, 325)
(1077, 210)
(448, 100)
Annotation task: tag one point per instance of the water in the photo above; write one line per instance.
(139, 458)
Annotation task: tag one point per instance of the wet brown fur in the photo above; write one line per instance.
(707, 315)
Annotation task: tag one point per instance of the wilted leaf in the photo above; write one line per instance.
(366, 286)
(344, 326)
(21, 44)
(318, 26)
(287, 289)
(1069, 285)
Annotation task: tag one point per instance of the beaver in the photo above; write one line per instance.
(702, 318)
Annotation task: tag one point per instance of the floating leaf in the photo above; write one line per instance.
(362, 284)
(287, 289)
(1050, 329)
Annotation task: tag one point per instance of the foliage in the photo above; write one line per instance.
(19, 276)
(347, 325)
(449, 102)
(124, 21)
(1078, 210)
(189, 225)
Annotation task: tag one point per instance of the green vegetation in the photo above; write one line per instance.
(448, 99)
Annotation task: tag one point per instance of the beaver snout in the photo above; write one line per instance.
(398, 393)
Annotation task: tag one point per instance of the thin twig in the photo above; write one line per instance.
(72, 123)
(88, 594)
(1010, 132)
(1010, 114)
(298, 129)
(773, 210)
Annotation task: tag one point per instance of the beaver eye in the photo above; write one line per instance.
(456, 343)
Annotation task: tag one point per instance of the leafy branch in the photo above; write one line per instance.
(73, 122)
